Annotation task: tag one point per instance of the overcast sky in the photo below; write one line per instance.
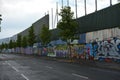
(18, 15)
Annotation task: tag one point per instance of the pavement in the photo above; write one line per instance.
(99, 64)
(21, 67)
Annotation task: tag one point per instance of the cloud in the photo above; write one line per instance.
(18, 15)
(22, 8)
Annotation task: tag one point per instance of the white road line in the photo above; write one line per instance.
(77, 75)
(4, 63)
(9, 64)
(24, 77)
(15, 69)
(49, 67)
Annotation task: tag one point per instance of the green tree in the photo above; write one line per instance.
(24, 42)
(31, 36)
(67, 25)
(45, 35)
(6, 45)
(11, 44)
(2, 46)
(19, 40)
(14, 44)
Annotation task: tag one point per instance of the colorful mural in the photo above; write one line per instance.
(77, 51)
(61, 51)
(106, 49)
(51, 52)
(100, 50)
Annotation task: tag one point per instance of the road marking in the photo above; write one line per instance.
(77, 75)
(24, 77)
(15, 69)
(4, 63)
(49, 67)
(9, 64)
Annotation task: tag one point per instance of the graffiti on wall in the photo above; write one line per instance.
(106, 47)
(77, 51)
(50, 51)
(109, 48)
(61, 51)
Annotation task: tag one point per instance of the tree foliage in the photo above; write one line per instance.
(6, 46)
(2, 46)
(31, 36)
(19, 40)
(14, 44)
(10, 44)
(24, 41)
(45, 35)
(67, 24)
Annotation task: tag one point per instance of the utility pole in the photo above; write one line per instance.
(0, 22)
(0, 18)
(110, 2)
(52, 17)
(57, 10)
(47, 12)
(56, 16)
(67, 2)
(85, 7)
(118, 1)
(95, 5)
(76, 8)
(62, 3)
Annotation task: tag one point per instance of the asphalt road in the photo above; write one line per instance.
(18, 67)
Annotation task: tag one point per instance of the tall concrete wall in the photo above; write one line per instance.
(102, 34)
(37, 26)
(103, 19)
(5, 40)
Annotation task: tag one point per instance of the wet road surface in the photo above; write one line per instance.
(18, 67)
